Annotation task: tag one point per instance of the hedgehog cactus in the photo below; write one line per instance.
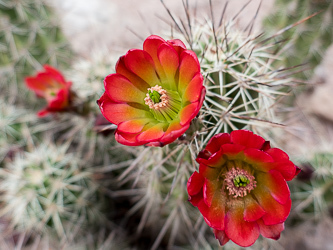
(314, 189)
(242, 84)
(242, 90)
(87, 75)
(12, 128)
(309, 40)
(29, 38)
(46, 191)
(157, 178)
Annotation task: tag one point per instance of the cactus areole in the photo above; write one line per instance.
(154, 94)
(241, 187)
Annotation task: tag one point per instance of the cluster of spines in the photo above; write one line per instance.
(307, 42)
(46, 190)
(314, 189)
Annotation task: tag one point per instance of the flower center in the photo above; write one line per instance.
(164, 105)
(239, 182)
(156, 97)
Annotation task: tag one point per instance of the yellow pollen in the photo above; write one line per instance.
(163, 98)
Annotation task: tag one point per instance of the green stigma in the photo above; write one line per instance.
(154, 96)
(241, 181)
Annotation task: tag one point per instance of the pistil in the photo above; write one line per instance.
(239, 182)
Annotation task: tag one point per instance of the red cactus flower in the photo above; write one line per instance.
(154, 94)
(241, 188)
(52, 86)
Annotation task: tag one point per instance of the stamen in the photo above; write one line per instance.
(239, 182)
(156, 98)
(164, 105)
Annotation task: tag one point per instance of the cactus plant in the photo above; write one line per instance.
(46, 190)
(309, 40)
(244, 88)
(29, 37)
(155, 185)
(13, 128)
(314, 190)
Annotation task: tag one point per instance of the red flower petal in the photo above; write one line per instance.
(276, 213)
(196, 199)
(266, 146)
(173, 132)
(119, 112)
(253, 211)
(272, 232)
(217, 141)
(233, 151)
(141, 64)
(35, 84)
(178, 45)
(247, 139)
(203, 156)
(221, 237)
(287, 169)
(214, 215)
(151, 45)
(189, 67)
(188, 113)
(282, 163)
(43, 112)
(127, 139)
(210, 187)
(137, 81)
(60, 101)
(277, 154)
(239, 231)
(55, 73)
(169, 60)
(259, 160)
(194, 89)
(215, 160)
(208, 172)
(152, 134)
(133, 126)
(120, 89)
(276, 184)
(195, 183)
(43, 82)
